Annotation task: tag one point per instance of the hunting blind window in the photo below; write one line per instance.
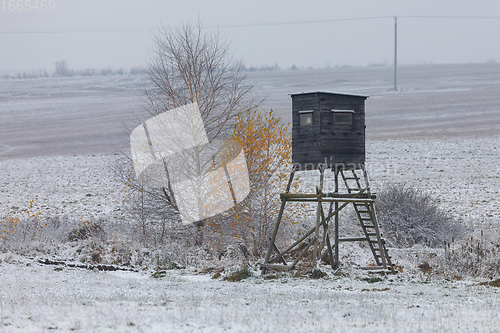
(306, 117)
(342, 117)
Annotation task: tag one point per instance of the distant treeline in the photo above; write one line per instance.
(62, 70)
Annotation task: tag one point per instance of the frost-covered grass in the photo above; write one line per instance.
(37, 297)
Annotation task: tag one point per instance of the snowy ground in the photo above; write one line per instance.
(38, 298)
(58, 136)
(462, 174)
(80, 186)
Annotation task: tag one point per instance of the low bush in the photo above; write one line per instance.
(409, 216)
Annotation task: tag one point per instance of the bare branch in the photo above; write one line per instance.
(188, 65)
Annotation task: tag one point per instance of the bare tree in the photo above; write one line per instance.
(188, 65)
(62, 68)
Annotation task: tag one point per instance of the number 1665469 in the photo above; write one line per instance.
(27, 5)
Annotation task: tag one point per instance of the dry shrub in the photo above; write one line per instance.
(477, 256)
(28, 234)
(87, 230)
(409, 216)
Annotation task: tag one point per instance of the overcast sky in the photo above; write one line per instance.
(117, 33)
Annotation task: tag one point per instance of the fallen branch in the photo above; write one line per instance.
(86, 266)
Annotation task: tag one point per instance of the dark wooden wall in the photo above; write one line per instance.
(325, 141)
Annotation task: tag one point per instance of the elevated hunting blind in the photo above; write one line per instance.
(328, 128)
(328, 133)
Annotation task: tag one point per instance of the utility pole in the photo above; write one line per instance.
(395, 53)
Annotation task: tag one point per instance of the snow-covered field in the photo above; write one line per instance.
(57, 137)
(38, 298)
(463, 174)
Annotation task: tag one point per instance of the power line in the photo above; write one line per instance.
(83, 30)
(218, 26)
(350, 19)
(240, 25)
(300, 22)
(452, 17)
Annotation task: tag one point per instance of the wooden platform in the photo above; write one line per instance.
(318, 239)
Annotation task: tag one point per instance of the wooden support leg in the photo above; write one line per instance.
(280, 216)
(275, 231)
(330, 252)
(319, 211)
(326, 236)
(336, 225)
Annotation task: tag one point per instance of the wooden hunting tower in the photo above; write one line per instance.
(328, 133)
(328, 128)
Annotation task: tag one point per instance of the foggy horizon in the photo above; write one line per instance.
(316, 34)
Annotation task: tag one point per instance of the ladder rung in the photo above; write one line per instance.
(352, 239)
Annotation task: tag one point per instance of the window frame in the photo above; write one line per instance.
(342, 113)
(309, 114)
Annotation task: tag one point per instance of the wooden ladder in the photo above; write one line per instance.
(365, 211)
